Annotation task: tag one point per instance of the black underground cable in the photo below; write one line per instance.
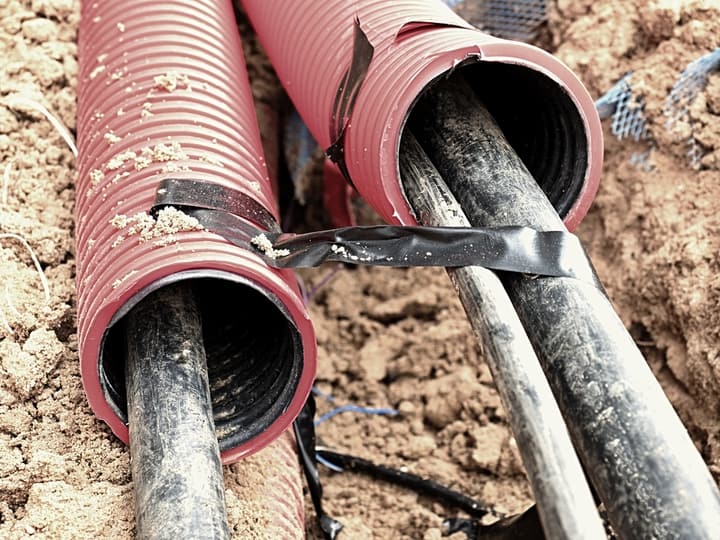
(525, 526)
(175, 464)
(563, 498)
(418, 484)
(634, 448)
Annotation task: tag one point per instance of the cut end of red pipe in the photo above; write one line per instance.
(356, 99)
(547, 116)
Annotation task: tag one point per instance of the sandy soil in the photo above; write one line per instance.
(386, 337)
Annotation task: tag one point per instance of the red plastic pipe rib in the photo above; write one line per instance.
(163, 91)
(313, 45)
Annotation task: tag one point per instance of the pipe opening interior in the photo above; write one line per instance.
(254, 355)
(540, 121)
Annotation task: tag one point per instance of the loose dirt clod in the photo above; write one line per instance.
(119, 160)
(172, 80)
(163, 230)
(97, 71)
(213, 161)
(111, 138)
(167, 152)
(174, 167)
(96, 176)
(264, 244)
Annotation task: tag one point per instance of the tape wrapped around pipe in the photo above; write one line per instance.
(243, 222)
(163, 90)
(355, 69)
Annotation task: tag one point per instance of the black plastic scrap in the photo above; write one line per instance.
(245, 223)
(525, 526)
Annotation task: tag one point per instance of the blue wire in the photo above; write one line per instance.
(387, 411)
(318, 392)
(355, 408)
(384, 411)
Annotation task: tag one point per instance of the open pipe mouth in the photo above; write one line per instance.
(254, 355)
(540, 121)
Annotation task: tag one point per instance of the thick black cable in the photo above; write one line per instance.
(175, 464)
(635, 450)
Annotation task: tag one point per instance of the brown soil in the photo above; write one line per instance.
(386, 337)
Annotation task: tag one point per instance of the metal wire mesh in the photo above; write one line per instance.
(625, 109)
(521, 20)
(510, 19)
(684, 92)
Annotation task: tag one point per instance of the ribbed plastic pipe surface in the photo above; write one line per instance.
(285, 483)
(311, 45)
(163, 92)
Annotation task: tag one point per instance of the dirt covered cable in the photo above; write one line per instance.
(310, 453)
(423, 486)
(240, 220)
(176, 469)
(636, 451)
(564, 499)
(525, 526)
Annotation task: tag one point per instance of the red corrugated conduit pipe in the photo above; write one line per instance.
(355, 69)
(163, 93)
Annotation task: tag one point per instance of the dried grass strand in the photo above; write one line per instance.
(61, 129)
(35, 260)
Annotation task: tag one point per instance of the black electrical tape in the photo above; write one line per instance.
(244, 222)
(346, 95)
(210, 196)
(525, 526)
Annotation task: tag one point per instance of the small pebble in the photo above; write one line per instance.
(406, 408)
